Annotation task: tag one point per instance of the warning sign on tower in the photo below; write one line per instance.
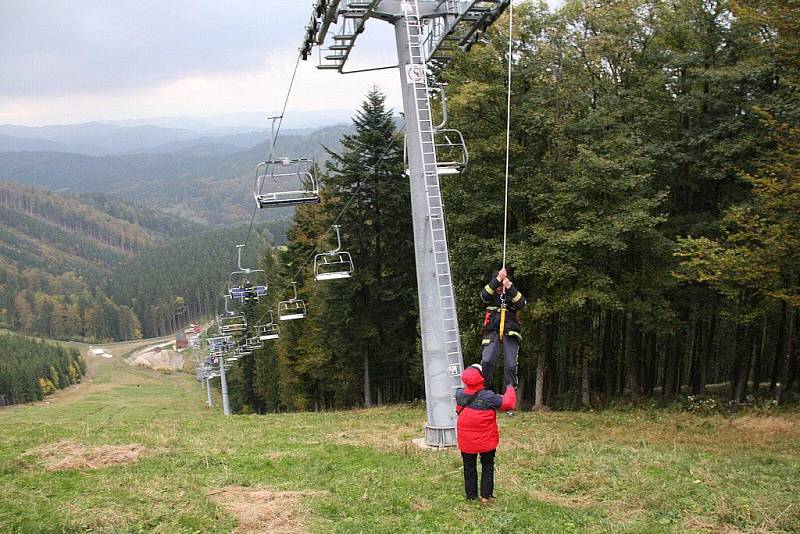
(415, 73)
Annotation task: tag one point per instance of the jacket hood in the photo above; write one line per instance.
(472, 378)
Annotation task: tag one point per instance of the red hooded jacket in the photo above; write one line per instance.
(477, 422)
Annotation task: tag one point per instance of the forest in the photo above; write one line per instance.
(654, 201)
(170, 286)
(31, 370)
(96, 268)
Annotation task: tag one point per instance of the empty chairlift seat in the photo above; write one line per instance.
(286, 182)
(294, 308)
(233, 324)
(333, 265)
(269, 331)
(452, 156)
(282, 181)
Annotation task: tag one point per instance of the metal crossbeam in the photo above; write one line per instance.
(447, 26)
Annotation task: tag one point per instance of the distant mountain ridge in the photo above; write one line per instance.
(95, 267)
(102, 138)
(209, 184)
(96, 138)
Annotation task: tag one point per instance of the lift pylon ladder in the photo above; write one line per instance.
(428, 33)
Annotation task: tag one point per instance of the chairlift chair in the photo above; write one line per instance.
(333, 265)
(232, 322)
(268, 331)
(292, 309)
(299, 172)
(254, 343)
(452, 156)
(239, 281)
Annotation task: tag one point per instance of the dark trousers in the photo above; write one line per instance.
(471, 474)
(510, 355)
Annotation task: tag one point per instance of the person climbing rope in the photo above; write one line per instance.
(501, 325)
(477, 430)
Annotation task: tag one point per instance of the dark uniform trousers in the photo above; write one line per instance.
(510, 357)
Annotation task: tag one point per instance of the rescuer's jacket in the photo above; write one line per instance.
(514, 302)
(477, 413)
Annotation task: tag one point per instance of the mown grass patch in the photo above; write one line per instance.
(611, 471)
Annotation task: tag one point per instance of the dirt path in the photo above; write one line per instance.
(157, 357)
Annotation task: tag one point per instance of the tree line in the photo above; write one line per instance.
(97, 268)
(31, 369)
(171, 285)
(650, 147)
(653, 218)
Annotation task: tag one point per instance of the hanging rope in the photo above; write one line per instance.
(508, 162)
(508, 129)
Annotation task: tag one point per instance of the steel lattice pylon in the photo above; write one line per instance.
(428, 34)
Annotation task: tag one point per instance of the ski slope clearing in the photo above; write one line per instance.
(174, 466)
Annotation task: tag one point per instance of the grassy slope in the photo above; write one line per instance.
(611, 471)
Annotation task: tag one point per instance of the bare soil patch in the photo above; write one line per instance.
(72, 455)
(263, 510)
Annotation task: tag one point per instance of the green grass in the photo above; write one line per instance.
(633, 471)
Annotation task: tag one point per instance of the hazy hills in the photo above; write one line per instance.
(161, 134)
(206, 179)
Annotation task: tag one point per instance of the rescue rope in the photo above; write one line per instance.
(508, 162)
(508, 128)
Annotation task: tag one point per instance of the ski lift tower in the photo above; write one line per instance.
(428, 34)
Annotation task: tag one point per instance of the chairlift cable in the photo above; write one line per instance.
(339, 216)
(275, 139)
(508, 127)
(350, 201)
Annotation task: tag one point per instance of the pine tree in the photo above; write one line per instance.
(359, 342)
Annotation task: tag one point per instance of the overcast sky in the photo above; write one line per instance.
(68, 61)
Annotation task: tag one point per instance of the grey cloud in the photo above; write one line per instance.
(55, 47)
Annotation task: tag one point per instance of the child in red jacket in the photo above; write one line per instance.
(477, 429)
